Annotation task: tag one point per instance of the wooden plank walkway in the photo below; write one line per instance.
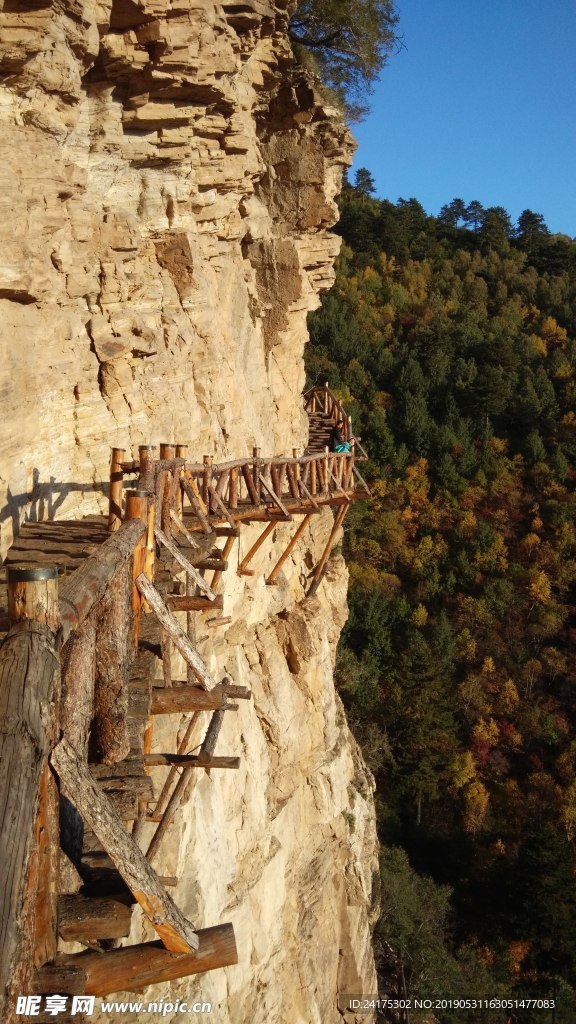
(64, 543)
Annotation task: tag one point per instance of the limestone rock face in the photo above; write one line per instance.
(167, 178)
(167, 175)
(285, 847)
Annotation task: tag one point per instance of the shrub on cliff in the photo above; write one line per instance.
(350, 42)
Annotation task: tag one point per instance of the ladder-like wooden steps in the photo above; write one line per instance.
(125, 784)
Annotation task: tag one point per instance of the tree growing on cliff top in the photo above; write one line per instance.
(349, 41)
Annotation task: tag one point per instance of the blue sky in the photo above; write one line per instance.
(480, 104)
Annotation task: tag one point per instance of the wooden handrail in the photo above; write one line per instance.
(86, 587)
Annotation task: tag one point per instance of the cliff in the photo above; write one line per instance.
(167, 180)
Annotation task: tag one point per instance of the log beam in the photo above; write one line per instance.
(87, 919)
(135, 967)
(339, 519)
(88, 584)
(217, 500)
(190, 761)
(185, 603)
(242, 569)
(179, 699)
(176, 633)
(288, 550)
(176, 932)
(183, 529)
(267, 487)
(196, 503)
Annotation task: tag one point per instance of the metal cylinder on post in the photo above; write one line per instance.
(33, 594)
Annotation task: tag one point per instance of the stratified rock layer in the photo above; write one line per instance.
(167, 177)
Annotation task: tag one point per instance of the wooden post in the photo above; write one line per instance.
(29, 837)
(211, 738)
(256, 469)
(137, 507)
(48, 869)
(296, 467)
(326, 470)
(282, 470)
(147, 453)
(196, 505)
(229, 544)
(110, 726)
(167, 453)
(218, 503)
(206, 480)
(253, 491)
(306, 494)
(348, 472)
(176, 932)
(276, 501)
(313, 484)
(182, 748)
(173, 628)
(243, 569)
(181, 453)
(339, 519)
(233, 489)
(150, 543)
(275, 479)
(292, 482)
(133, 968)
(288, 550)
(174, 550)
(116, 480)
(184, 530)
(33, 595)
(362, 481)
(55, 978)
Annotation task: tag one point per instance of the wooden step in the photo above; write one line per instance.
(87, 919)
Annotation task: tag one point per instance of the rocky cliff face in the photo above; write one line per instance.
(167, 177)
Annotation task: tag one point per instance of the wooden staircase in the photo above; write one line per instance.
(321, 424)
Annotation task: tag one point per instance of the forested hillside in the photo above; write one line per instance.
(452, 341)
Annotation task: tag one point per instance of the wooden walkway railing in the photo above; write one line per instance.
(324, 409)
(70, 669)
(78, 698)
